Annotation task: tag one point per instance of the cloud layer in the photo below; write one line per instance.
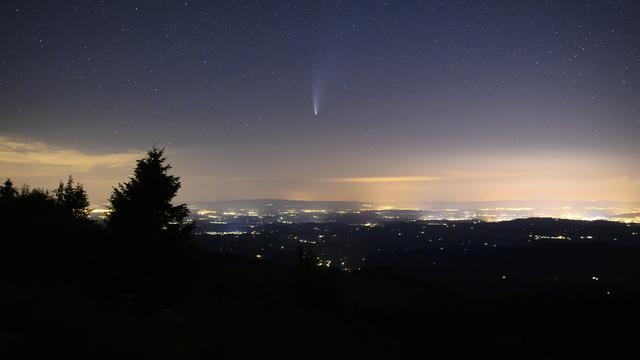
(20, 152)
(382, 179)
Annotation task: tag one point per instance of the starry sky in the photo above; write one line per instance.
(327, 100)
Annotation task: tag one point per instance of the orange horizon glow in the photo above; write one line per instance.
(458, 177)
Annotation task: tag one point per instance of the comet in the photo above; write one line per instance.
(315, 98)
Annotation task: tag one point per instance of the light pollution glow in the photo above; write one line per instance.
(527, 177)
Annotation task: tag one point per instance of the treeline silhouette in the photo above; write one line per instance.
(137, 285)
(61, 269)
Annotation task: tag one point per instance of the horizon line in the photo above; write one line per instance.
(407, 201)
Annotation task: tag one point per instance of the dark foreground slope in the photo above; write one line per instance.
(72, 293)
(232, 307)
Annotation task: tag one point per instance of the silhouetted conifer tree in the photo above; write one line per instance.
(150, 234)
(143, 205)
(7, 191)
(73, 198)
(60, 194)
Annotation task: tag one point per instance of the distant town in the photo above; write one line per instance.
(242, 214)
(448, 243)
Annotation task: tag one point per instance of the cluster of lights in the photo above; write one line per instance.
(550, 237)
(224, 232)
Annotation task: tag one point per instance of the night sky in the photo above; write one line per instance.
(327, 100)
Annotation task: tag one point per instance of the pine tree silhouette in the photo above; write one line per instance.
(150, 235)
(143, 205)
(72, 198)
(8, 191)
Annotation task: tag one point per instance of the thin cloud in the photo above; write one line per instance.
(17, 152)
(382, 179)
